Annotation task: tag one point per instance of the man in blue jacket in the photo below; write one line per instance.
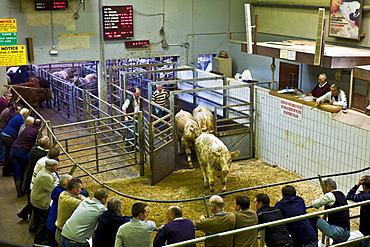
(365, 210)
(292, 205)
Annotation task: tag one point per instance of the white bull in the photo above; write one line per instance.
(214, 159)
(187, 131)
(204, 117)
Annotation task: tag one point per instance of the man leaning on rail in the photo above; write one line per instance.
(338, 226)
(360, 196)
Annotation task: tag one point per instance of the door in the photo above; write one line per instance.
(288, 75)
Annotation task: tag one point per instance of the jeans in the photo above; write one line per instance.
(64, 242)
(338, 234)
(365, 243)
(160, 113)
(20, 162)
(130, 133)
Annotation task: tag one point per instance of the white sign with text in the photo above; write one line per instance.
(291, 109)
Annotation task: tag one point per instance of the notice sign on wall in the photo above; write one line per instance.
(8, 25)
(13, 55)
(291, 109)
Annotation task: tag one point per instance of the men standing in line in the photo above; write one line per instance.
(137, 231)
(301, 231)
(108, 224)
(336, 96)
(68, 201)
(131, 105)
(244, 217)
(40, 199)
(360, 196)
(176, 230)
(321, 88)
(220, 222)
(338, 226)
(20, 156)
(275, 235)
(80, 226)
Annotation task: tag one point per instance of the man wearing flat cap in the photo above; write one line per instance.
(40, 199)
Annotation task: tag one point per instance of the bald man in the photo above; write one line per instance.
(176, 230)
(220, 222)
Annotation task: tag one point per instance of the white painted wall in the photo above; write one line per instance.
(317, 144)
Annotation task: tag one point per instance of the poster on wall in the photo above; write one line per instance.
(345, 19)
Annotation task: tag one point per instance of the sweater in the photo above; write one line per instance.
(245, 218)
(12, 128)
(80, 226)
(177, 230)
(134, 233)
(26, 139)
(67, 204)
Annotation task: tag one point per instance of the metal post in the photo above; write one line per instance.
(272, 68)
(96, 147)
(262, 239)
(141, 141)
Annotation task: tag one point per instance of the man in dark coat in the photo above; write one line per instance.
(274, 235)
(108, 224)
(302, 232)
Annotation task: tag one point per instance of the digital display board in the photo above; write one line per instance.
(137, 44)
(118, 22)
(51, 5)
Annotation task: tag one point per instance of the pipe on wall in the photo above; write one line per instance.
(301, 6)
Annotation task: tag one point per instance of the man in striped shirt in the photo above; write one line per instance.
(160, 97)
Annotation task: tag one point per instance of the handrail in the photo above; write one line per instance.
(273, 223)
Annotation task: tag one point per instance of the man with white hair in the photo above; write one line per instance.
(338, 226)
(29, 121)
(220, 222)
(40, 199)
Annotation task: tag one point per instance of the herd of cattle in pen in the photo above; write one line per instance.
(36, 89)
(196, 131)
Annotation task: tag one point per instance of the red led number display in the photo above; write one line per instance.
(51, 5)
(137, 44)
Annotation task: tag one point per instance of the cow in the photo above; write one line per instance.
(66, 74)
(204, 117)
(187, 131)
(85, 83)
(214, 159)
(33, 95)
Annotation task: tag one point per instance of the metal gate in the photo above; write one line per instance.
(233, 121)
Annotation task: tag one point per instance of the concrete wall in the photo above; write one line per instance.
(205, 25)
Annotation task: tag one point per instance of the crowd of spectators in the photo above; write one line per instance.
(61, 213)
